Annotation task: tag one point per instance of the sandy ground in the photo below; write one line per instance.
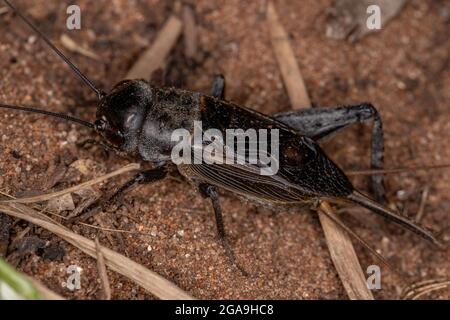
(404, 71)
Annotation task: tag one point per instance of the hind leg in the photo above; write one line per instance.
(321, 123)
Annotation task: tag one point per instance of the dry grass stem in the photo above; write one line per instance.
(102, 271)
(419, 289)
(287, 62)
(423, 202)
(155, 57)
(71, 45)
(45, 197)
(344, 257)
(189, 32)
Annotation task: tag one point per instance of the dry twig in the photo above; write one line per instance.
(45, 197)
(189, 32)
(423, 202)
(419, 289)
(344, 257)
(102, 271)
(290, 71)
(155, 57)
(71, 45)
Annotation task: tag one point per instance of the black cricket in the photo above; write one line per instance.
(137, 119)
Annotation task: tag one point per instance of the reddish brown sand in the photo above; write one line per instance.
(404, 71)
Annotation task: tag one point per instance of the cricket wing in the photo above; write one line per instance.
(247, 181)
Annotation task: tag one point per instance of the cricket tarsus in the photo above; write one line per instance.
(389, 214)
(75, 69)
(48, 113)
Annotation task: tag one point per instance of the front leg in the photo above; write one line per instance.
(210, 192)
(143, 177)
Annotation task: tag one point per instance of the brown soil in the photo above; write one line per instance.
(403, 70)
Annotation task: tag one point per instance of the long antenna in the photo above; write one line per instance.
(85, 79)
(49, 113)
(370, 172)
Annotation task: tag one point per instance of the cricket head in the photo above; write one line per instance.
(121, 113)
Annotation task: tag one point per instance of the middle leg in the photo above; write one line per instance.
(210, 192)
